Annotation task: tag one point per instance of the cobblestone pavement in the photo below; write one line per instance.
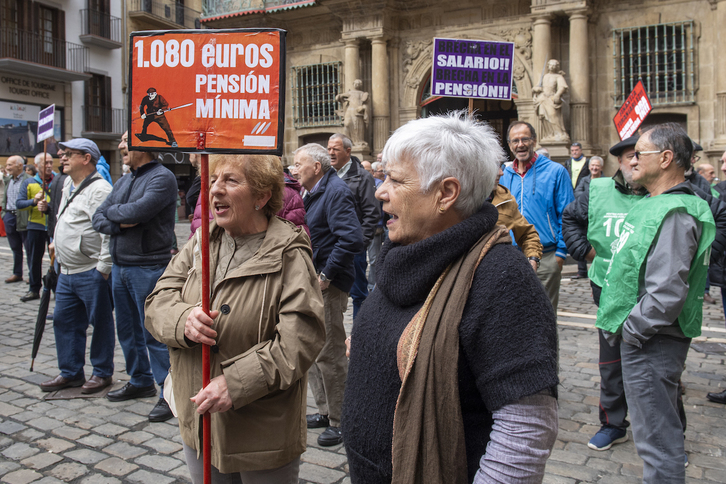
(92, 440)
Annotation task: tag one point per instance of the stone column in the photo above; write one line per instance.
(352, 63)
(380, 94)
(720, 75)
(541, 41)
(579, 79)
(541, 53)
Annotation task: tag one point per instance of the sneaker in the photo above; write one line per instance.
(331, 436)
(686, 463)
(607, 436)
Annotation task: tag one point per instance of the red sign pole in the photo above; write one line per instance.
(206, 419)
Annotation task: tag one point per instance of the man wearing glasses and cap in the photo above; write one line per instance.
(83, 293)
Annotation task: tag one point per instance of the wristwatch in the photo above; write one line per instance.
(536, 259)
(323, 278)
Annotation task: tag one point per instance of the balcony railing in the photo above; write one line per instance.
(101, 24)
(101, 119)
(215, 8)
(169, 11)
(31, 47)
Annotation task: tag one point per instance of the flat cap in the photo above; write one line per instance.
(82, 144)
(618, 149)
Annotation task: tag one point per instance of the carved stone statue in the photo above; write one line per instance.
(355, 113)
(548, 103)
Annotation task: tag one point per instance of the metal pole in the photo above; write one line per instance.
(204, 193)
(471, 106)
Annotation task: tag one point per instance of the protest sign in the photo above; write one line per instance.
(633, 112)
(227, 85)
(477, 69)
(46, 118)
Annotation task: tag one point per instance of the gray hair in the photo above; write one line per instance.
(595, 158)
(543, 151)
(672, 137)
(452, 145)
(317, 153)
(376, 165)
(347, 143)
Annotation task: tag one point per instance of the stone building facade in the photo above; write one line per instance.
(603, 48)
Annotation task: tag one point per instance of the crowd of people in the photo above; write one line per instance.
(453, 257)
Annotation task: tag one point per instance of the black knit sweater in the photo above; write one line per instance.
(508, 342)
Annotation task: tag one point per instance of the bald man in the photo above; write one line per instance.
(16, 223)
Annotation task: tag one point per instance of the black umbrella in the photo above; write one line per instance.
(50, 279)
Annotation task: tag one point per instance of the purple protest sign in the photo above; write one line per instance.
(45, 122)
(479, 69)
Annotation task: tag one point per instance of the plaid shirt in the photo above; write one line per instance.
(529, 164)
(13, 189)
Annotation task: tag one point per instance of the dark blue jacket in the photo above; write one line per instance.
(146, 197)
(335, 231)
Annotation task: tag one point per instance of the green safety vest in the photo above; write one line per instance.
(607, 210)
(638, 232)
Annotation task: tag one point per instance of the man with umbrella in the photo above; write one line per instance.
(83, 293)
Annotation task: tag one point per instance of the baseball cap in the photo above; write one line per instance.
(82, 144)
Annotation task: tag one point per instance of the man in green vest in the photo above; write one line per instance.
(653, 295)
(590, 225)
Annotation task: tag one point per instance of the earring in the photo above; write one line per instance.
(442, 209)
(257, 207)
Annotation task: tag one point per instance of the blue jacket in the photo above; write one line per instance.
(146, 198)
(103, 168)
(547, 191)
(335, 231)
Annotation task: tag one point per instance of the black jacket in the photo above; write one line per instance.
(146, 198)
(368, 209)
(56, 193)
(717, 270)
(583, 173)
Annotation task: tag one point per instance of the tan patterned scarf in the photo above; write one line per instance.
(428, 431)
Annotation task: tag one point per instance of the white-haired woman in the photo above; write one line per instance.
(453, 360)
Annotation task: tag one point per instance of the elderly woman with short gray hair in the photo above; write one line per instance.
(453, 359)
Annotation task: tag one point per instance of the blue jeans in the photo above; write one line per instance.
(650, 378)
(81, 299)
(359, 291)
(147, 360)
(16, 240)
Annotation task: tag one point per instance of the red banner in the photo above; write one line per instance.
(227, 84)
(633, 112)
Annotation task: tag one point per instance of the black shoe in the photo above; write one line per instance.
(717, 397)
(331, 436)
(161, 412)
(579, 276)
(317, 421)
(30, 296)
(128, 391)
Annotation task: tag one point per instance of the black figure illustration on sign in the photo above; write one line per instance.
(152, 110)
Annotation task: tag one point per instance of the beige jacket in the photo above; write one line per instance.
(525, 235)
(270, 330)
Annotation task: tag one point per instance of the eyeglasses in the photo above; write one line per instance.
(696, 159)
(638, 154)
(68, 154)
(515, 142)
